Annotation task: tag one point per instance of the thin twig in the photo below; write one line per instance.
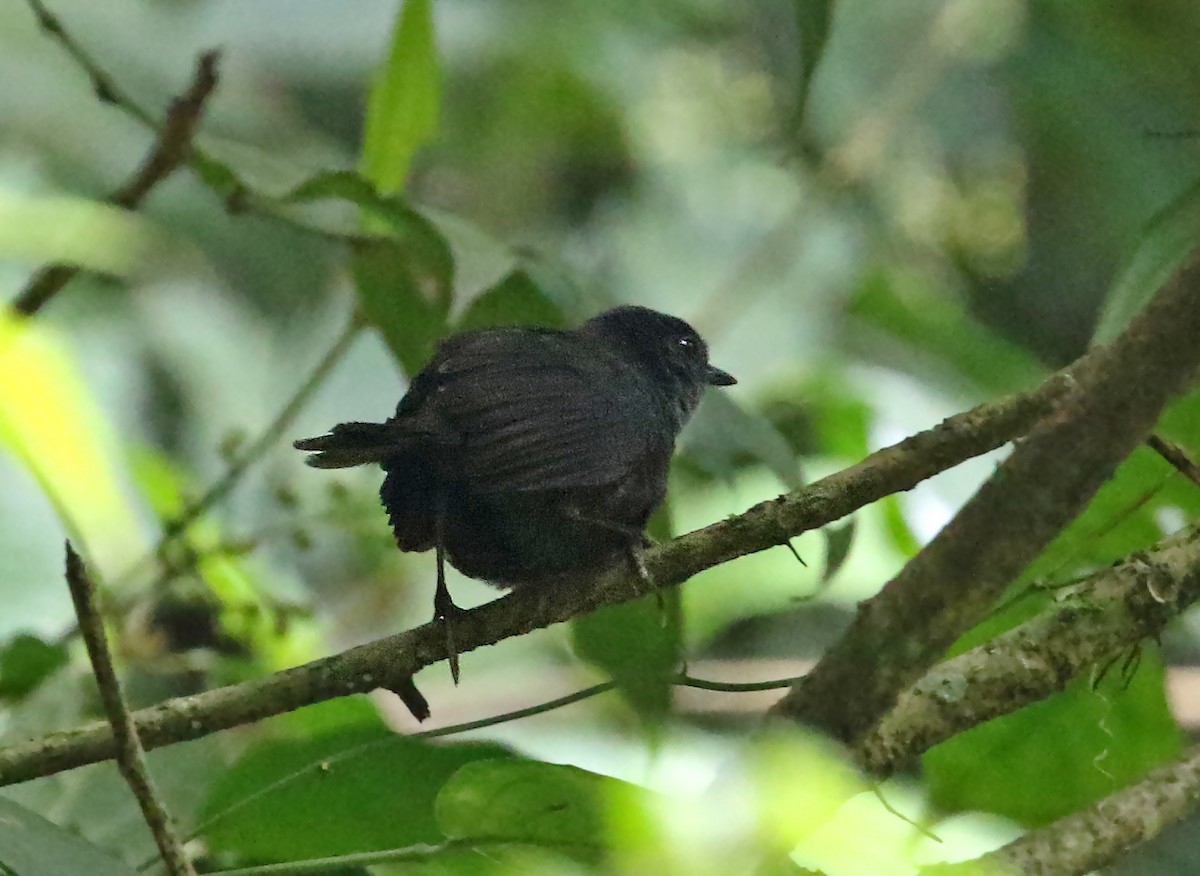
(171, 150)
(252, 453)
(1179, 458)
(131, 758)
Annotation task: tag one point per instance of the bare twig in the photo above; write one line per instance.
(895, 468)
(1038, 490)
(1179, 458)
(131, 758)
(171, 150)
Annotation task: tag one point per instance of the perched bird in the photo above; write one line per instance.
(523, 455)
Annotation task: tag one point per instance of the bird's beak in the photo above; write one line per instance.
(717, 377)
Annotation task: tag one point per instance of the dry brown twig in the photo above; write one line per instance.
(130, 756)
(171, 150)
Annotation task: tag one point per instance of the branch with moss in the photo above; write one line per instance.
(947, 588)
(388, 662)
(1089, 624)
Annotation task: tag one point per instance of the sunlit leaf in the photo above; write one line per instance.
(50, 422)
(402, 111)
(89, 234)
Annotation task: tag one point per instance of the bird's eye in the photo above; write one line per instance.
(684, 342)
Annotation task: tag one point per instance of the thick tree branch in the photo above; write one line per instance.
(171, 150)
(131, 758)
(388, 661)
(1088, 624)
(1046, 482)
(1087, 840)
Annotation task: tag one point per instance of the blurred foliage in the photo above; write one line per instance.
(877, 215)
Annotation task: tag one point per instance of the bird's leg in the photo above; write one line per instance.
(635, 541)
(444, 608)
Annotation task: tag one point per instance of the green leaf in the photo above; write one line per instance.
(639, 645)
(838, 540)
(1168, 239)
(723, 437)
(402, 111)
(812, 23)
(25, 662)
(527, 800)
(32, 846)
(356, 788)
(514, 300)
(52, 424)
(1060, 755)
(939, 328)
(405, 283)
(343, 185)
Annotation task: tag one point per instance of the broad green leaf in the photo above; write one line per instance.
(639, 645)
(1168, 239)
(357, 787)
(25, 662)
(402, 111)
(723, 437)
(32, 846)
(405, 283)
(526, 800)
(1062, 754)
(514, 300)
(52, 425)
(89, 234)
(938, 327)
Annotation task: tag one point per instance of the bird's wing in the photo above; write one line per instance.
(538, 410)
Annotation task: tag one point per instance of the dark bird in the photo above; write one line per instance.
(523, 455)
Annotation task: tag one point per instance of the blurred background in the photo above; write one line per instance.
(933, 219)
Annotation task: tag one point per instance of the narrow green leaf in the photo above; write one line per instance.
(1169, 237)
(838, 540)
(812, 22)
(402, 112)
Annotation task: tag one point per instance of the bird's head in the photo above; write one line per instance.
(670, 350)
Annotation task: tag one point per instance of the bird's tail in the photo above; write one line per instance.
(350, 444)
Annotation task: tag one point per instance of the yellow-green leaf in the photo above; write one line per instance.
(402, 113)
(50, 423)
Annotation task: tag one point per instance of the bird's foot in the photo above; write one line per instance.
(447, 612)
